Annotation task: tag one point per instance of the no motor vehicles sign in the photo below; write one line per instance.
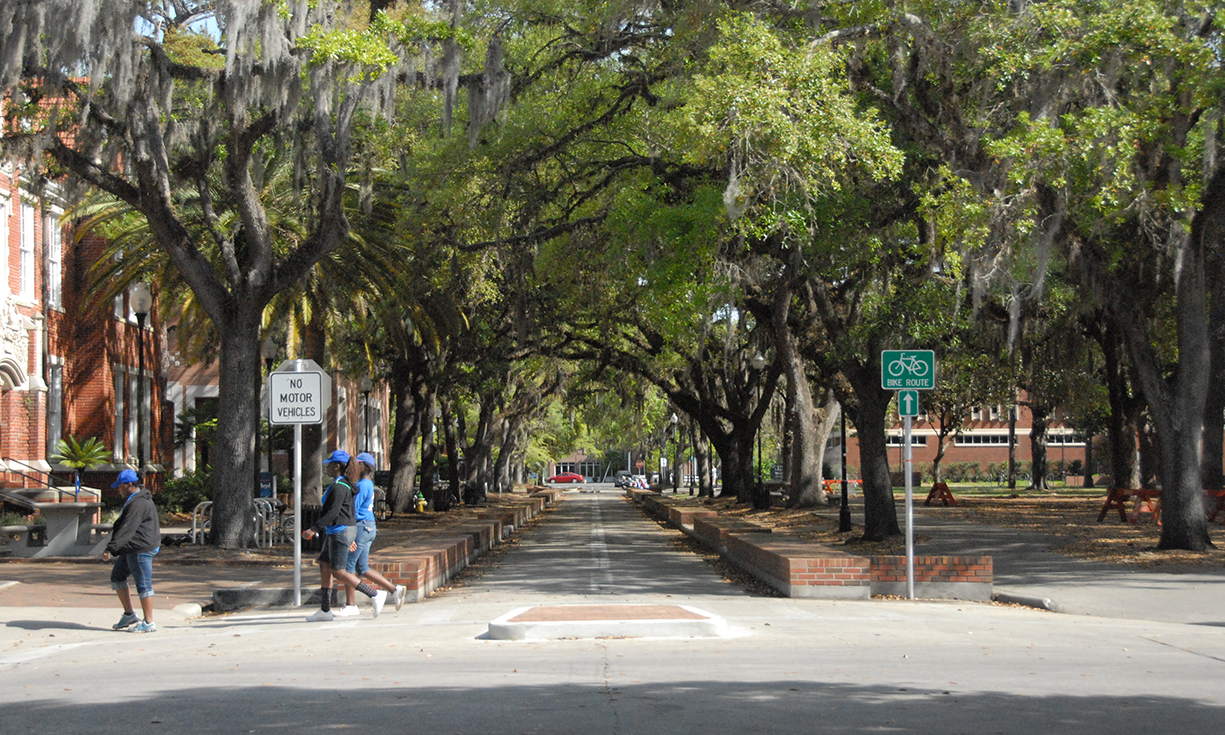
(296, 398)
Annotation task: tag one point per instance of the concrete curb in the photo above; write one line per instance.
(1040, 603)
(705, 625)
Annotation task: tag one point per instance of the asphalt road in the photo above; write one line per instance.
(786, 665)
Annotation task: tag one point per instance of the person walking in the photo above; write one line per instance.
(135, 538)
(367, 530)
(337, 524)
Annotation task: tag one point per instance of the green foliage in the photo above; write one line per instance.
(182, 494)
(81, 455)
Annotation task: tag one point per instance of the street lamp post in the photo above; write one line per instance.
(141, 300)
(366, 386)
(676, 437)
(760, 502)
(844, 513)
(268, 350)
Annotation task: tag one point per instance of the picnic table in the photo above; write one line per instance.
(940, 493)
(833, 487)
(1149, 501)
(1146, 501)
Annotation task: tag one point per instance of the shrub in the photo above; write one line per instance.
(182, 494)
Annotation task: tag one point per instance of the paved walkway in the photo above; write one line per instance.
(784, 666)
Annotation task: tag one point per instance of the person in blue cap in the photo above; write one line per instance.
(359, 561)
(337, 522)
(136, 537)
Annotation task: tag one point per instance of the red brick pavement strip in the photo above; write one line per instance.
(75, 584)
(574, 613)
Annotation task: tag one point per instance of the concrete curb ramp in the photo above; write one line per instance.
(606, 621)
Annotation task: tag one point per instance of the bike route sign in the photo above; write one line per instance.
(908, 370)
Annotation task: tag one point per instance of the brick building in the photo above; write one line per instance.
(68, 365)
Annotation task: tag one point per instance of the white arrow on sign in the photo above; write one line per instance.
(908, 403)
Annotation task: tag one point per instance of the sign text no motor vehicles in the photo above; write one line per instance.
(295, 398)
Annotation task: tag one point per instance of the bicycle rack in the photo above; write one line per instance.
(265, 513)
(201, 516)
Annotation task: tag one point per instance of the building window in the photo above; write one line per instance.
(978, 440)
(27, 252)
(121, 380)
(897, 440)
(55, 407)
(995, 413)
(976, 414)
(55, 273)
(1068, 439)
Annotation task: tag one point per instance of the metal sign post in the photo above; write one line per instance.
(299, 392)
(908, 372)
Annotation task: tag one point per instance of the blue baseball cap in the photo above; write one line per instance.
(127, 476)
(367, 458)
(340, 456)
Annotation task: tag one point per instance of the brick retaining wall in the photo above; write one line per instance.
(800, 568)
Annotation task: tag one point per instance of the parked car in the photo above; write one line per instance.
(566, 477)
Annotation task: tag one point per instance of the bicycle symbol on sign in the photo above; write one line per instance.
(908, 364)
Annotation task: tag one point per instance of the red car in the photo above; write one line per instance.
(566, 477)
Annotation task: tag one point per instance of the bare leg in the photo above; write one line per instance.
(125, 599)
(146, 606)
(379, 580)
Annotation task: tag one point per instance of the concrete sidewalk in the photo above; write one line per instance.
(1025, 572)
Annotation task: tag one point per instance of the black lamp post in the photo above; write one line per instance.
(268, 349)
(676, 437)
(844, 513)
(141, 300)
(761, 502)
(366, 386)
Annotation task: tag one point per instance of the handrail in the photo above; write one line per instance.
(47, 485)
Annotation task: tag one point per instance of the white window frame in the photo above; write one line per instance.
(28, 251)
(53, 235)
(121, 380)
(55, 405)
(980, 440)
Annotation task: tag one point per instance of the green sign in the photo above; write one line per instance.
(908, 403)
(908, 370)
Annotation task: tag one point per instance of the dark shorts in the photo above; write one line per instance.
(335, 551)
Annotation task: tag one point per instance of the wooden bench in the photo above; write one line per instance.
(1146, 501)
(940, 493)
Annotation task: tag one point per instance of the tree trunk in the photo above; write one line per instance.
(1214, 406)
(701, 455)
(429, 448)
(1037, 448)
(233, 522)
(314, 341)
(1176, 407)
(872, 403)
(408, 395)
(805, 479)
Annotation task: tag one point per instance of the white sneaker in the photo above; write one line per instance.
(319, 616)
(398, 596)
(347, 611)
(377, 601)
